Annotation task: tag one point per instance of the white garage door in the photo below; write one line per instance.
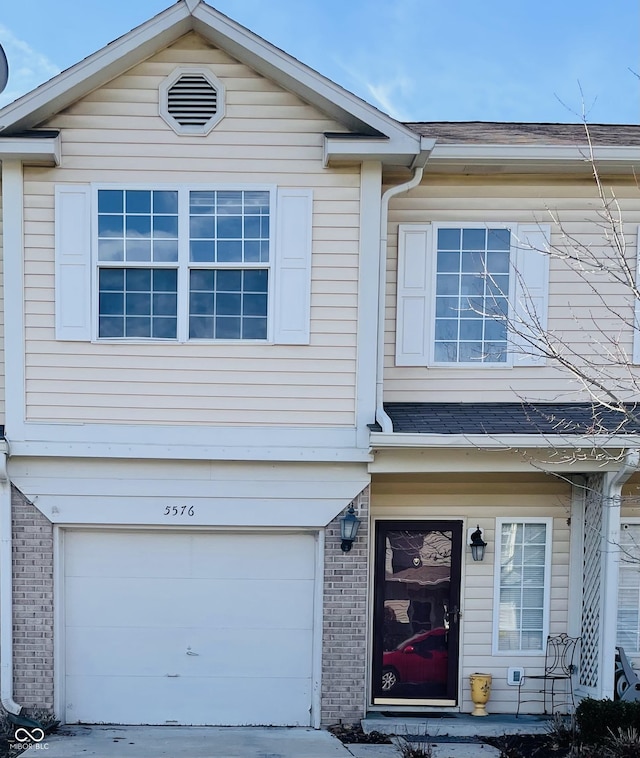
(188, 628)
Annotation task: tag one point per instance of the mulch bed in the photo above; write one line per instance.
(510, 745)
(353, 734)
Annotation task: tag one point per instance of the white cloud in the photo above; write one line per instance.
(27, 67)
(388, 94)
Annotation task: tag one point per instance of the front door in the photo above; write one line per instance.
(416, 612)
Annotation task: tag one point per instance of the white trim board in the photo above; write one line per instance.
(175, 442)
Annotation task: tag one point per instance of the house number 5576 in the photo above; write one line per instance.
(178, 510)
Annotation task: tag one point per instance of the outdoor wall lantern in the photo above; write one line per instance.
(349, 525)
(477, 544)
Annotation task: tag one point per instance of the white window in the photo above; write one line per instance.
(523, 565)
(470, 294)
(629, 588)
(183, 263)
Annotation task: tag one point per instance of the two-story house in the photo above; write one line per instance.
(238, 300)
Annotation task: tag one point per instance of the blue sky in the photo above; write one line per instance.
(419, 60)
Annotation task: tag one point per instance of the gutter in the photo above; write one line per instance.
(6, 591)
(419, 162)
(483, 153)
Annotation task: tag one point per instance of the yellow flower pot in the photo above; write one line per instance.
(480, 693)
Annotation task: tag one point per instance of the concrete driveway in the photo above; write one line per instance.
(196, 742)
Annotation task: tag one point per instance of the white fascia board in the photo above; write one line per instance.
(542, 153)
(186, 443)
(275, 64)
(50, 98)
(30, 150)
(381, 440)
(187, 452)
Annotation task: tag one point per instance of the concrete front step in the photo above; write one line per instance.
(453, 725)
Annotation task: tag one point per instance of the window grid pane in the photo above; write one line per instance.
(522, 583)
(229, 226)
(137, 226)
(228, 304)
(472, 291)
(138, 303)
(629, 589)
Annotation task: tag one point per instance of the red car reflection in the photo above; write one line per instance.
(421, 659)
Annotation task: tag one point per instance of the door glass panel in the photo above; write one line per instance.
(416, 625)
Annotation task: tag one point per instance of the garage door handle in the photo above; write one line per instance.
(190, 652)
(172, 676)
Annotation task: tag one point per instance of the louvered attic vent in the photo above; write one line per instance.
(192, 101)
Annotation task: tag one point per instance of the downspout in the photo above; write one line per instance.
(6, 592)
(609, 578)
(419, 162)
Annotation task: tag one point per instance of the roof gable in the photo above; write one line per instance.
(354, 114)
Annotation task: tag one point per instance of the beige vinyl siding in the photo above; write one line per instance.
(480, 499)
(267, 136)
(2, 371)
(575, 313)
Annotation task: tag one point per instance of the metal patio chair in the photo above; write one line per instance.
(557, 680)
(627, 681)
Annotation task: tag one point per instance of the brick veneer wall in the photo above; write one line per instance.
(344, 636)
(32, 605)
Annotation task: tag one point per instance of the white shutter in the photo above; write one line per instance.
(636, 314)
(531, 264)
(73, 262)
(414, 274)
(292, 287)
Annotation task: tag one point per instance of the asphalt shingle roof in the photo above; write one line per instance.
(499, 133)
(508, 418)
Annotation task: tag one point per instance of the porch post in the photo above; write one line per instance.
(610, 556)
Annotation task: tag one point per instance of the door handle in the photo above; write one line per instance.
(452, 615)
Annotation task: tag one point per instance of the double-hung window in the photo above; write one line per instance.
(217, 257)
(470, 294)
(522, 585)
(183, 263)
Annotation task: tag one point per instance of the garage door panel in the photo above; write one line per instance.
(98, 651)
(159, 652)
(251, 557)
(169, 700)
(223, 637)
(249, 603)
(115, 602)
(138, 555)
(127, 601)
(245, 653)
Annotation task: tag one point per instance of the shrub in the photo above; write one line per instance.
(598, 719)
(624, 744)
